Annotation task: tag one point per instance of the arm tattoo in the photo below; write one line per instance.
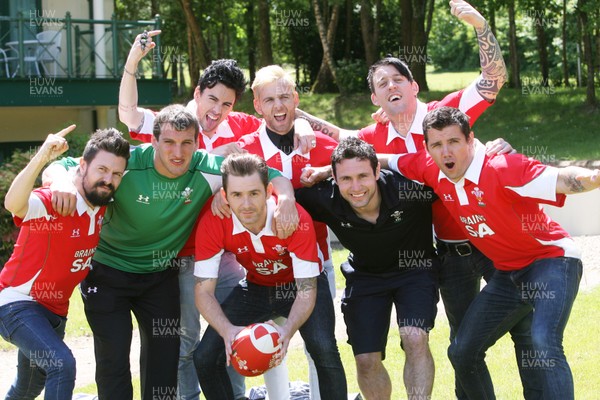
(318, 126)
(200, 281)
(492, 64)
(306, 284)
(573, 184)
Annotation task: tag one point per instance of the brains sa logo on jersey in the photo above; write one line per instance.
(280, 249)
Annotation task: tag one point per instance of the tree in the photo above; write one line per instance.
(515, 75)
(369, 27)
(565, 65)
(265, 49)
(583, 8)
(249, 18)
(327, 71)
(198, 50)
(539, 20)
(416, 19)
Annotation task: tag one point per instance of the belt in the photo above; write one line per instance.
(462, 249)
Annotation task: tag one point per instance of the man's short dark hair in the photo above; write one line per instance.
(225, 71)
(397, 63)
(109, 140)
(443, 117)
(244, 164)
(178, 118)
(353, 147)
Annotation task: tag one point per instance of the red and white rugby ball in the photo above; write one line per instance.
(254, 349)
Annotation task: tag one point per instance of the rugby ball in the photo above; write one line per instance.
(254, 348)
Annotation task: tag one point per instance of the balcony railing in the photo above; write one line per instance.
(71, 47)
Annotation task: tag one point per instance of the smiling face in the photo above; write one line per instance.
(277, 101)
(101, 177)
(393, 92)
(451, 150)
(213, 106)
(247, 198)
(173, 150)
(358, 184)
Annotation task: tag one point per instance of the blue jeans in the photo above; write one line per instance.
(253, 303)
(542, 293)
(230, 273)
(460, 282)
(43, 359)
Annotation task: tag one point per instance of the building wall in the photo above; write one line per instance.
(24, 124)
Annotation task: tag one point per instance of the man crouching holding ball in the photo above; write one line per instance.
(284, 279)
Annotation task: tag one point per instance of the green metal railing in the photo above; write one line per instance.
(79, 56)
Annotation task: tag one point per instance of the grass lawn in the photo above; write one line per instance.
(580, 345)
(550, 127)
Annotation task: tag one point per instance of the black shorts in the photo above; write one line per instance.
(367, 305)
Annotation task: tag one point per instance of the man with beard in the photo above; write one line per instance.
(52, 255)
(166, 185)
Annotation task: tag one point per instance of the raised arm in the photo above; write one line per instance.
(17, 197)
(573, 180)
(493, 70)
(129, 114)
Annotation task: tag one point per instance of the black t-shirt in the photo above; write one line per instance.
(401, 239)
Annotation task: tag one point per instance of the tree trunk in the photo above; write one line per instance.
(492, 16)
(327, 38)
(193, 62)
(590, 97)
(251, 41)
(198, 49)
(368, 37)
(348, 31)
(265, 49)
(515, 75)
(565, 68)
(324, 81)
(540, 34)
(406, 26)
(419, 41)
(429, 21)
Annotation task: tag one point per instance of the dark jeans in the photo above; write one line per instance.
(43, 358)
(460, 282)
(254, 303)
(109, 296)
(542, 293)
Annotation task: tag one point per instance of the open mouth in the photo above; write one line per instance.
(394, 98)
(279, 117)
(210, 122)
(449, 165)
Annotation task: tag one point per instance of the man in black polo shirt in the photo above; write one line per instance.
(384, 220)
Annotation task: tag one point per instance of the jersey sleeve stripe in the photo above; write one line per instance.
(37, 209)
(470, 98)
(567, 244)
(541, 187)
(303, 268)
(208, 268)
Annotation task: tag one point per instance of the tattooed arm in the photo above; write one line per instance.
(493, 70)
(577, 180)
(327, 128)
(211, 310)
